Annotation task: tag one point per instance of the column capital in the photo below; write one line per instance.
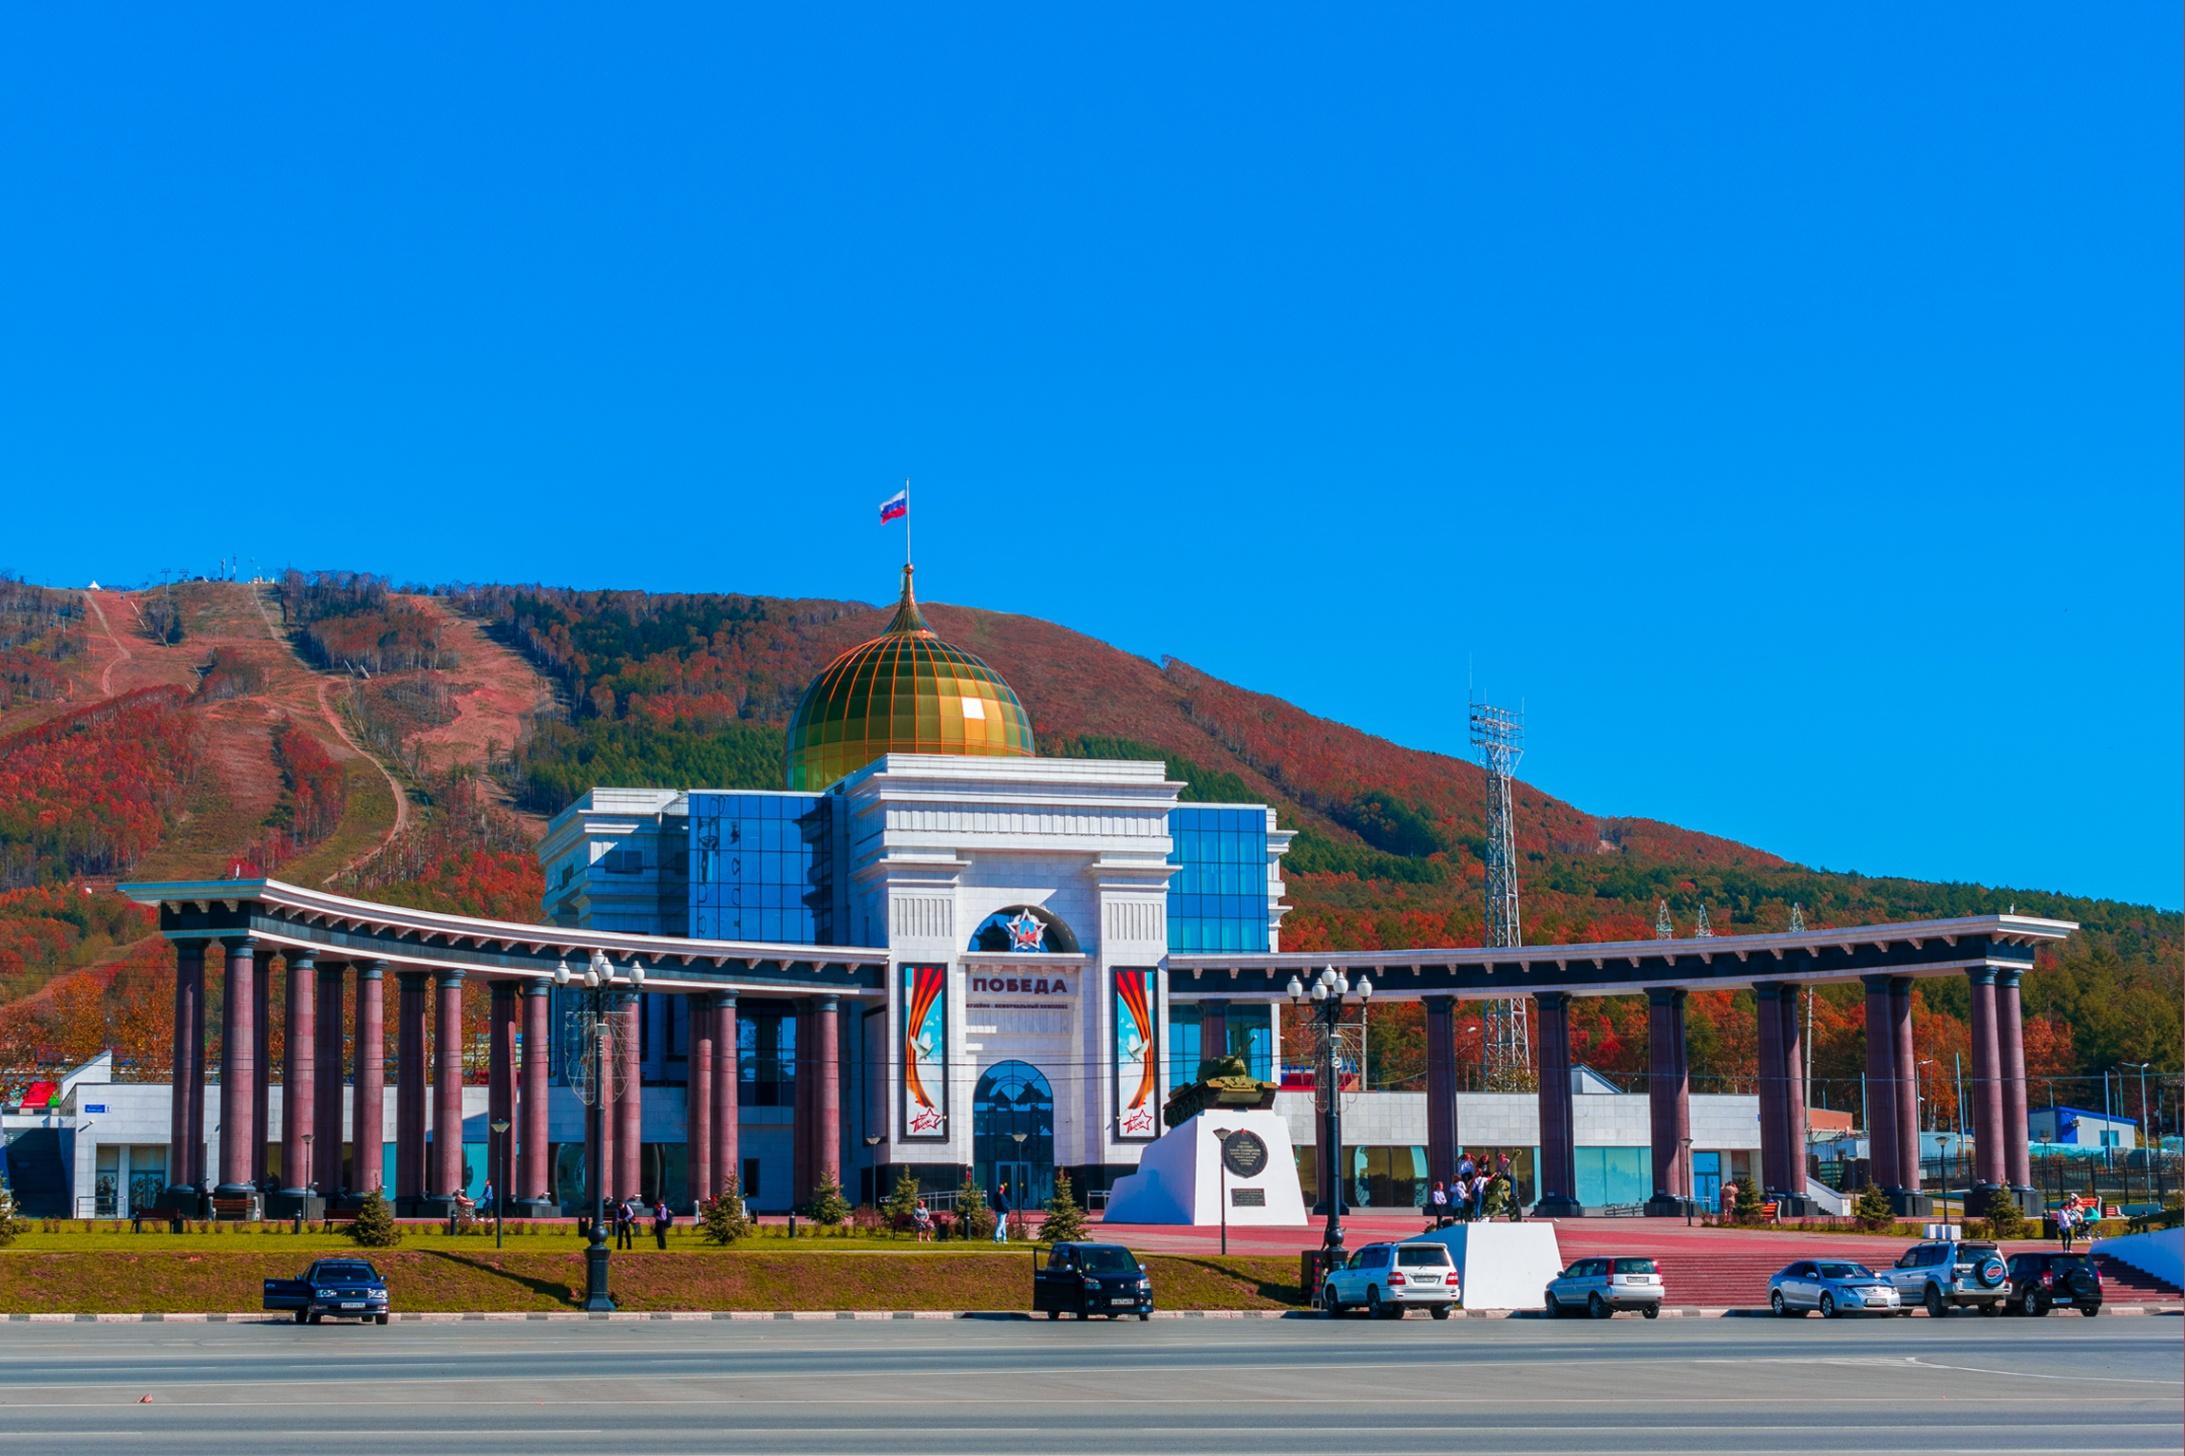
(722, 1000)
(1666, 995)
(448, 976)
(829, 1004)
(2007, 977)
(536, 986)
(371, 970)
(301, 960)
(1981, 975)
(1551, 1000)
(1769, 990)
(503, 989)
(1877, 981)
(239, 945)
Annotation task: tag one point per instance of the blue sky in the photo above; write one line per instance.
(1782, 402)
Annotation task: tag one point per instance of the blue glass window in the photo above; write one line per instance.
(1217, 899)
(761, 868)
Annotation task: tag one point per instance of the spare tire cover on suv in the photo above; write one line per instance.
(1990, 1271)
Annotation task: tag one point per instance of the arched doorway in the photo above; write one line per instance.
(1013, 1133)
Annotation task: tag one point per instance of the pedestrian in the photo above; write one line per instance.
(485, 1199)
(1437, 1203)
(661, 1218)
(625, 1219)
(1478, 1200)
(921, 1219)
(1465, 1169)
(1729, 1196)
(1001, 1214)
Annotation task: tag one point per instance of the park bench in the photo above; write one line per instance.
(234, 1208)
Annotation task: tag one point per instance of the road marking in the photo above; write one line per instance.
(2074, 1378)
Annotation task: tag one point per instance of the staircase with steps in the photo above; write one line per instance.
(2123, 1284)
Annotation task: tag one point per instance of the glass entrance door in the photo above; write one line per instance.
(1013, 1133)
(1707, 1179)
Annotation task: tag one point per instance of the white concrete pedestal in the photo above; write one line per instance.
(1180, 1179)
(1501, 1265)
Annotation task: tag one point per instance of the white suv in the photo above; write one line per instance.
(1388, 1279)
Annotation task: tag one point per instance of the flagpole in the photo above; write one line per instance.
(906, 523)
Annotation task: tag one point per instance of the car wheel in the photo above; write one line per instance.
(2031, 1305)
(1441, 1311)
(1374, 1308)
(380, 1319)
(1554, 1308)
(1143, 1316)
(302, 1315)
(1598, 1307)
(2090, 1310)
(1652, 1311)
(1054, 1314)
(1776, 1303)
(1329, 1304)
(316, 1316)
(1992, 1307)
(1936, 1309)
(1828, 1306)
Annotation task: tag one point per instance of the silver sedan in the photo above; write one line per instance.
(1832, 1286)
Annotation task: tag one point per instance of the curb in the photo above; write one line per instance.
(1000, 1316)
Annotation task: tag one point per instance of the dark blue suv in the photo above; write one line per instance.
(343, 1288)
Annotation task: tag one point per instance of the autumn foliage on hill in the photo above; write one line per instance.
(347, 620)
(91, 791)
(39, 631)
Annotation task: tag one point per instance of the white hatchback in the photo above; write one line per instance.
(1387, 1279)
(1600, 1287)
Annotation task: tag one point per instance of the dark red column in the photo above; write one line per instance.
(535, 1169)
(410, 1091)
(447, 1089)
(1881, 1086)
(501, 1090)
(803, 1101)
(1213, 1034)
(1668, 1098)
(629, 1098)
(261, 1061)
(1794, 1094)
(189, 1071)
(828, 1014)
(326, 1119)
(1987, 1089)
(299, 1079)
(1558, 1152)
(1774, 1161)
(1908, 1139)
(2011, 1037)
(1441, 1088)
(369, 1094)
(698, 1099)
(238, 1069)
(727, 1092)
(200, 1177)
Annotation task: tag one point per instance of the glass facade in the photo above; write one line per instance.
(766, 1055)
(1251, 1036)
(1217, 899)
(761, 867)
(1013, 1133)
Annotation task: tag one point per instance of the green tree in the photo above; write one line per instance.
(10, 1225)
(2004, 1218)
(974, 1219)
(902, 1203)
(1746, 1209)
(722, 1219)
(828, 1206)
(1065, 1222)
(375, 1226)
(1872, 1211)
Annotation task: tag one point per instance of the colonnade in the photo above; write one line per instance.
(429, 1171)
(1997, 1092)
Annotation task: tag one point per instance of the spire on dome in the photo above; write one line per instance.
(907, 618)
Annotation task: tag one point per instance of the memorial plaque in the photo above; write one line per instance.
(1247, 1198)
(1245, 1154)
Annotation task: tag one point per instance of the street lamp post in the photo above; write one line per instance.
(598, 982)
(1324, 1000)
(1223, 1133)
(499, 1128)
(304, 1203)
(1684, 1143)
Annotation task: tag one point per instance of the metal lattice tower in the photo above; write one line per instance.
(1797, 919)
(1664, 927)
(1499, 735)
(1703, 930)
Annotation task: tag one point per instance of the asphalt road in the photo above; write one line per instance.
(1625, 1388)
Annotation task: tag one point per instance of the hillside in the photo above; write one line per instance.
(493, 706)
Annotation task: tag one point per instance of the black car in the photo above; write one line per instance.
(2042, 1282)
(343, 1288)
(1090, 1279)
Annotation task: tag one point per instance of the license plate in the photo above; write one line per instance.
(352, 1304)
(1426, 1278)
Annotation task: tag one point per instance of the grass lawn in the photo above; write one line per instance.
(109, 1273)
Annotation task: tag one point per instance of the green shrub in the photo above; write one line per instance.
(375, 1226)
(902, 1204)
(974, 1218)
(1872, 1211)
(1065, 1222)
(10, 1225)
(722, 1219)
(2004, 1219)
(1746, 1209)
(829, 1208)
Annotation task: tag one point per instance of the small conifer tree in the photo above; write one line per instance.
(375, 1226)
(1747, 1207)
(974, 1218)
(722, 1219)
(829, 1207)
(1065, 1222)
(1872, 1211)
(10, 1225)
(902, 1205)
(2004, 1218)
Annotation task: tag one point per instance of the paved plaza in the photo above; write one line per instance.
(1006, 1385)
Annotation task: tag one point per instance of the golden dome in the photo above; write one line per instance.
(905, 691)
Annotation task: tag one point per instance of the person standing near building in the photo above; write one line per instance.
(1437, 1205)
(1001, 1213)
(661, 1218)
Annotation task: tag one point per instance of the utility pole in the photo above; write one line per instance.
(1664, 927)
(1499, 735)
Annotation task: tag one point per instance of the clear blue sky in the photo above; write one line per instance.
(1782, 401)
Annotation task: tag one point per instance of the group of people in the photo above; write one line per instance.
(1463, 1199)
(621, 1216)
(2068, 1217)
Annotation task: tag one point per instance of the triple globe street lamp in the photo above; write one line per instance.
(600, 989)
(1323, 1000)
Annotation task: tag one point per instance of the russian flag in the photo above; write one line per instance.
(895, 507)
